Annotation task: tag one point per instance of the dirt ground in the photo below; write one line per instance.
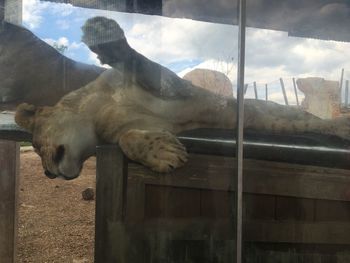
(55, 224)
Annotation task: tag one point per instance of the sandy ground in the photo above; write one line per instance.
(55, 224)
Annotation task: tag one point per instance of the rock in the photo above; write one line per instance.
(88, 194)
(322, 97)
(212, 80)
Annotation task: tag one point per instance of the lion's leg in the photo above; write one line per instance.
(277, 119)
(159, 150)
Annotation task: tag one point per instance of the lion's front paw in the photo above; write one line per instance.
(165, 153)
(160, 151)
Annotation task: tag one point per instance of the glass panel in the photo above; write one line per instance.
(296, 200)
(89, 81)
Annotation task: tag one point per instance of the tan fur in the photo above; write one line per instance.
(109, 110)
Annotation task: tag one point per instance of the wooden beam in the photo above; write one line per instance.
(260, 177)
(298, 232)
(9, 163)
(111, 179)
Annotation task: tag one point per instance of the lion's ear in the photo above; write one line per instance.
(25, 114)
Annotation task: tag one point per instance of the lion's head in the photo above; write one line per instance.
(63, 139)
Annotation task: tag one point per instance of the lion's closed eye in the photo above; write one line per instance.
(59, 154)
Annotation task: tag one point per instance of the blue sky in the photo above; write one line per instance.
(184, 44)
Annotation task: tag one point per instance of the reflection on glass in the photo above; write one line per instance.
(296, 55)
(187, 216)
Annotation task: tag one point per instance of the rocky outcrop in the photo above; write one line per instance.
(322, 97)
(212, 80)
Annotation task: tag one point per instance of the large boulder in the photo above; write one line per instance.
(212, 80)
(322, 97)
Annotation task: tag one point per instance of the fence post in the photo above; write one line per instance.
(266, 93)
(111, 183)
(284, 92)
(341, 85)
(295, 91)
(255, 91)
(346, 93)
(9, 176)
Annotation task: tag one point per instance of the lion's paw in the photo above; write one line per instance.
(160, 151)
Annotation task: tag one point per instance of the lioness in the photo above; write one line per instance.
(141, 106)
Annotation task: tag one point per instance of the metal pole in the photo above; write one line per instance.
(296, 91)
(240, 125)
(266, 93)
(255, 91)
(341, 84)
(284, 92)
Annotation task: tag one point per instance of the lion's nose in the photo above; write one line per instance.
(50, 175)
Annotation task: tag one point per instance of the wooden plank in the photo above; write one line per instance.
(9, 176)
(299, 209)
(171, 202)
(273, 231)
(135, 210)
(270, 178)
(259, 207)
(298, 232)
(110, 236)
(326, 210)
(215, 204)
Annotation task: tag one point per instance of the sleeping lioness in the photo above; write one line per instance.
(141, 106)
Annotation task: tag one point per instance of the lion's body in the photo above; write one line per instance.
(142, 106)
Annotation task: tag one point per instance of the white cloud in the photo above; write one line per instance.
(34, 10)
(60, 41)
(92, 57)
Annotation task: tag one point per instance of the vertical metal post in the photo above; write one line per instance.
(240, 126)
(341, 85)
(346, 94)
(295, 91)
(255, 91)
(266, 93)
(9, 176)
(284, 92)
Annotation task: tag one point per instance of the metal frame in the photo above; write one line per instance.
(240, 126)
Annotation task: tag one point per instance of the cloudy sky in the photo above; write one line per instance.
(184, 44)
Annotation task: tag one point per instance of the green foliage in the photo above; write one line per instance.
(60, 48)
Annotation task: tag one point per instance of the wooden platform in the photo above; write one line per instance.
(283, 204)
